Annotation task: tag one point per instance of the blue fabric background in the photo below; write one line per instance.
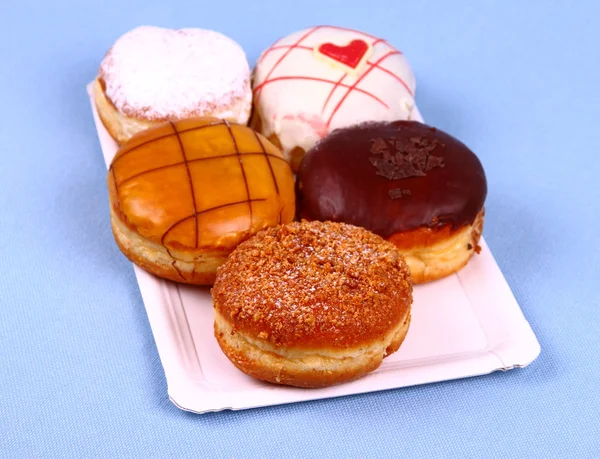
(79, 371)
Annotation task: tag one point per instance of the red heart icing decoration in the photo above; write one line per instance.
(349, 55)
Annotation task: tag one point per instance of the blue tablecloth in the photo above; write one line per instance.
(79, 371)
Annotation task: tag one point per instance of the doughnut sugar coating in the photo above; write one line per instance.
(155, 74)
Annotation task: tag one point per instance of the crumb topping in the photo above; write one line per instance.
(309, 284)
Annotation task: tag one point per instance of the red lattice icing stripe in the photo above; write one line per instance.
(283, 56)
(276, 47)
(358, 80)
(321, 80)
(337, 85)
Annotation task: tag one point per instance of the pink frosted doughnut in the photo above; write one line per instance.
(323, 78)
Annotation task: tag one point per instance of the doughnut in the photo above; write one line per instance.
(410, 183)
(152, 74)
(311, 304)
(323, 78)
(185, 193)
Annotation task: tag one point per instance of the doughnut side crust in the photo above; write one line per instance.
(122, 127)
(197, 268)
(301, 367)
(433, 254)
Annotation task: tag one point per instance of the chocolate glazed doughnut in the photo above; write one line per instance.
(410, 183)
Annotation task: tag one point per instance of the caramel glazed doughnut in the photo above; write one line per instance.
(152, 75)
(184, 194)
(412, 184)
(311, 304)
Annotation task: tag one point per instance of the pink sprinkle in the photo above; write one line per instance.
(314, 121)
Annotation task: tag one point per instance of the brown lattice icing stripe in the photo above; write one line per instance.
(237, 151)
(206, 158)
(189, 176)
(196, 214)
(154, 139)
(267, 155)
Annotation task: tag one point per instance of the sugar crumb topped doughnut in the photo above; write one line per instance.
(312, 304)
(322, 78)
(156, 74)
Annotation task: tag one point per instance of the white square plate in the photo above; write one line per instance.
(467, 324)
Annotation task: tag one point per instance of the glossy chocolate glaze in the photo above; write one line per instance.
(391, 177)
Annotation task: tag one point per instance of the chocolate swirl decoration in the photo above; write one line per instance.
(391, 177)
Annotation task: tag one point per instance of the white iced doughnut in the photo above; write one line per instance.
(153, 74)
(323, 78)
